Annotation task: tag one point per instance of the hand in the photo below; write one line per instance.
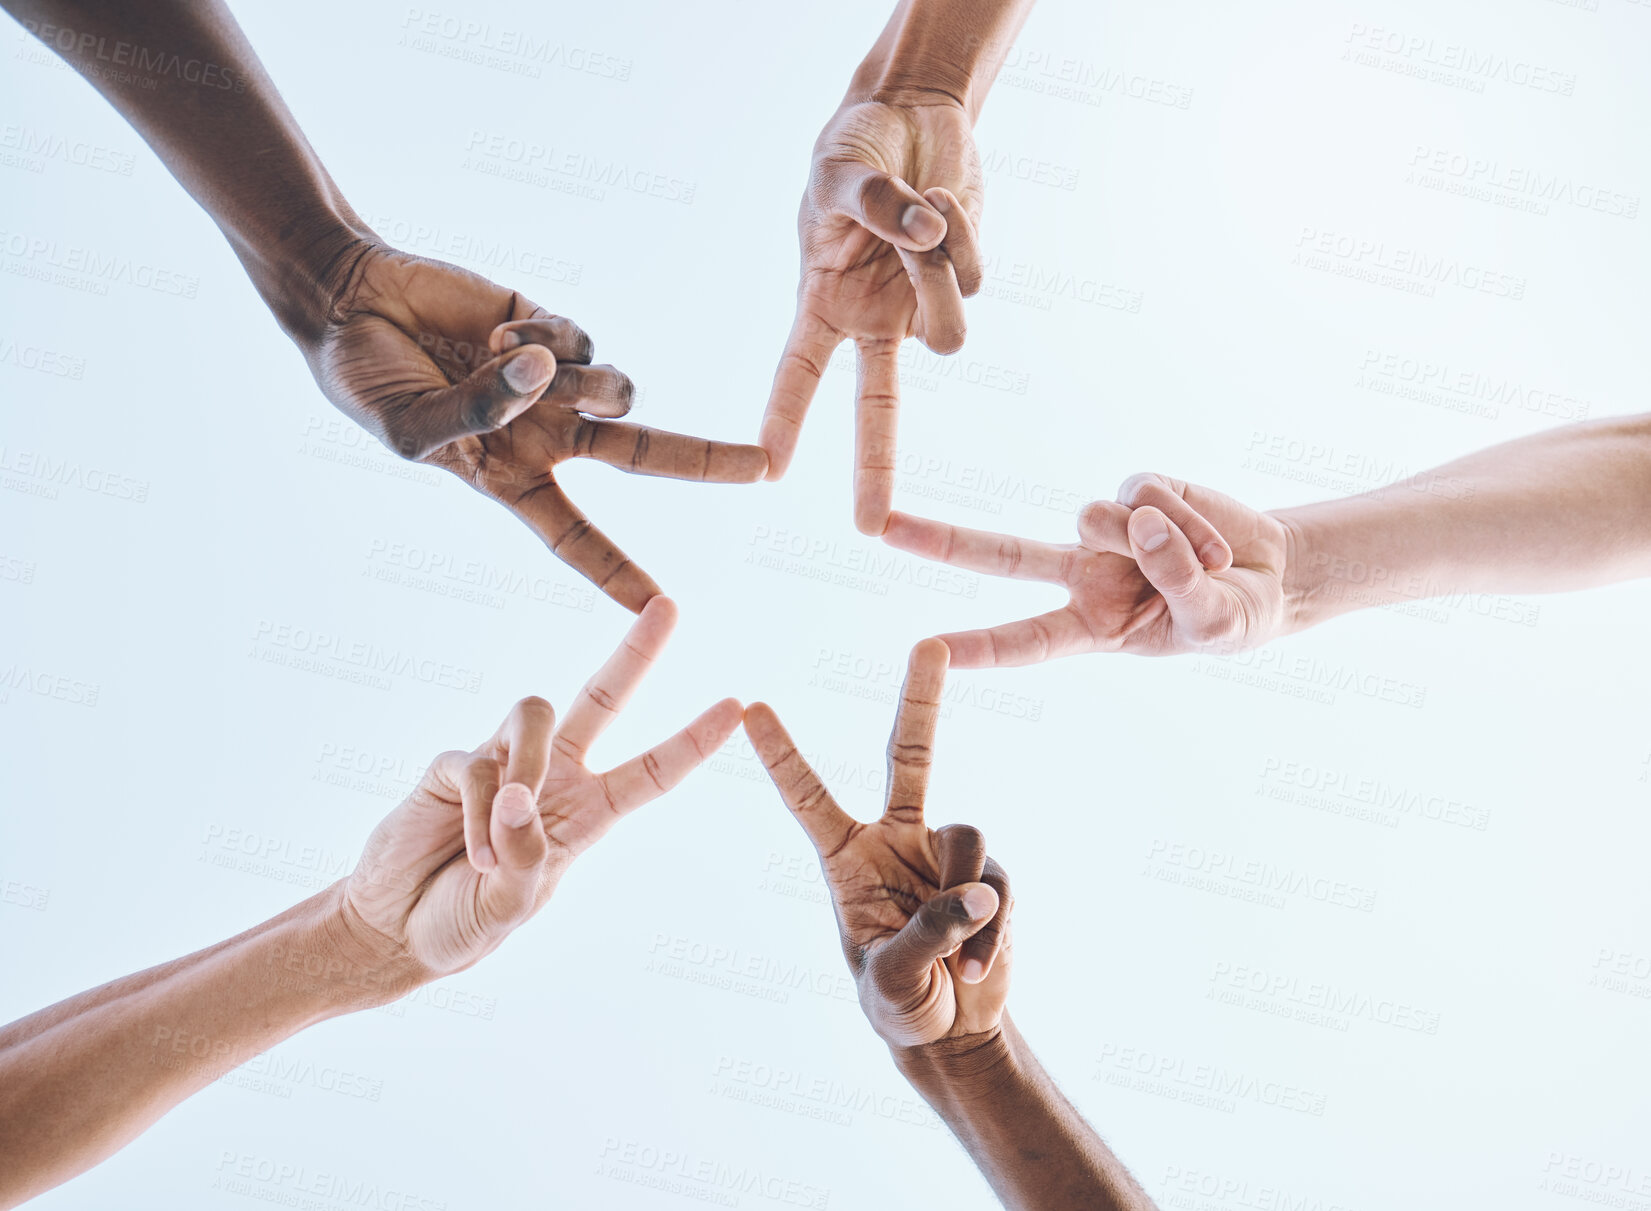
(447, 368)
(1170, 568)
(888, 251)
(523, 807)
(923, 914)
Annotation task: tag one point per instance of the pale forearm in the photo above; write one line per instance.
(1032, 1145)
(1565, 509)
(81, 1079)
(949, 48)
(182, 73)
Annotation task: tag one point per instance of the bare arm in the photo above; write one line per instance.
(80, 1080)
(183, 74)
(1029, 1142)
(1555, 511)
(1173, 567)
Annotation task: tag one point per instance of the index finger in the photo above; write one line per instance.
(828, 826)
(911, 744)
(611, 686)
(644, 451)
(568, 532)
(979, 550)
(807, 350)
(523, 743)
(877, 423)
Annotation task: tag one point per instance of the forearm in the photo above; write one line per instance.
(81, 1079)
(182, 73)
(1565, 509)
(1031, 1144)
(948, 48)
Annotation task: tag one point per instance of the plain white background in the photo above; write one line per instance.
(1203, 221)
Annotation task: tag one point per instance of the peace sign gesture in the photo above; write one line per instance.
(924, 914)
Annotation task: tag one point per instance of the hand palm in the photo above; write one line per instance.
(854, 282)
(416, 351)
(1121, 596)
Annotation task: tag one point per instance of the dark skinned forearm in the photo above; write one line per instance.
(1031, 1144)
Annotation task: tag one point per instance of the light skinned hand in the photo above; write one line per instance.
(447, 368)
(480, 845)
(1170, 567)
(923, 913)
(889, 250)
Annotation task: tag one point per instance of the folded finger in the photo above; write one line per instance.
(978, 550)
(828, 826)
(981, 951)
(962, 242)
(611, 686)
(643, 779)
(940, 321)
(523, 743)
(644, 451)
(1103, 525)
(1061, 632)
(478, 782)
(1168, 496)
(911, 743)
(807, 350)
(564, 338)
(876, 431)
(593, 390)
(569, 533)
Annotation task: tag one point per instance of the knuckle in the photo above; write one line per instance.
(534, 709)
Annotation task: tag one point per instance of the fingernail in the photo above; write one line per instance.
(974, 971)
(484, 859)
(1152, 531)
(921, 223)
(514, 805)
(979, 902)
(1212, 554)
(528, 372)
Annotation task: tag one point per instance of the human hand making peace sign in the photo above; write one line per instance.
(923, 913)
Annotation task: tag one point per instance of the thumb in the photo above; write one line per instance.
(1168, 561)
(492, 396)
(519, 843)
(900, 969)
(887, 207)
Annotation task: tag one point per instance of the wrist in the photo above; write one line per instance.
(965, 1069)
(929, 57)
(302, 274)
(1306, 572)
(343, 964)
